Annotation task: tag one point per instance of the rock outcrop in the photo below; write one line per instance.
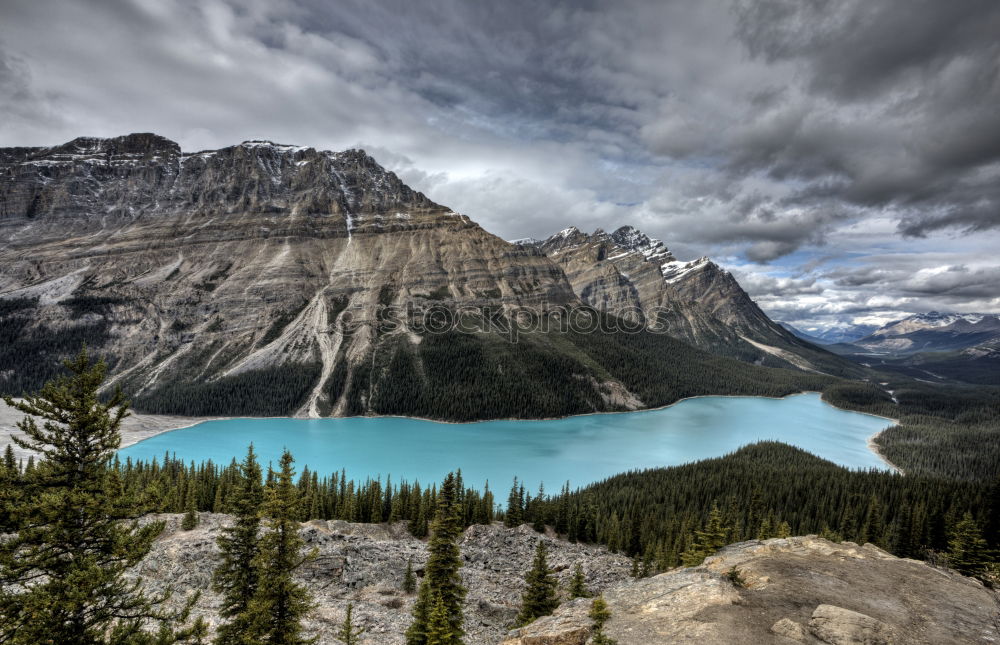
(795, 590)
(364, 564)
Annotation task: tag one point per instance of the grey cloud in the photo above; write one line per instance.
(855, 48)
(897, 111)
(755, 130)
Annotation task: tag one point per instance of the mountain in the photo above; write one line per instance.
(815, 340)
(264, 279)
(934, 347)
(837, 334)
(933, 331)
(634, 276)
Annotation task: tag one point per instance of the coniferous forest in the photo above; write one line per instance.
(69, 517)
(945, 509)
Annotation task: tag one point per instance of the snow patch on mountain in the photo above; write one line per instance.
(676, 270)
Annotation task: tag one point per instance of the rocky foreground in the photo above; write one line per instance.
(796, 590)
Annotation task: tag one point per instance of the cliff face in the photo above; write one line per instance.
(209, 265)
(629, 273)
(797, 590)
(264, 280)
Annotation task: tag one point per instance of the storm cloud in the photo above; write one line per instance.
(843, 158)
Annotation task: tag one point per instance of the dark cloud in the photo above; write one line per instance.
(897, 109)
(757, 131)
(856, 48)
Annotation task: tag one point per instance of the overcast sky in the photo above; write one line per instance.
(842, 158)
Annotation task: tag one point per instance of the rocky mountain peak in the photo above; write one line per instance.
(675, 271)
(631, 238)
(135, 144)
(147, 175)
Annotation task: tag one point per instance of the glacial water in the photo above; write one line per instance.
(580, 449)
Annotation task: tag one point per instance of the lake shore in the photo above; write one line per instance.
(135, 428)
(874, 447)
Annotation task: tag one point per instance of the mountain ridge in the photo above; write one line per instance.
(699, 302)
(280, 279)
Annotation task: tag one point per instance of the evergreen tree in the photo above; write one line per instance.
(578, 584)
(10, 490)
(280, 603)
(348, 634)
(514, 516)
(416, 633)
(992, 514)
(537, 510)
(191, 517)
(442, 583)
(62, 575)
(236, 578)
(967, 548)
(439, 631)
(539, 598)
(708, 540)
(600, 614)
(409, 580)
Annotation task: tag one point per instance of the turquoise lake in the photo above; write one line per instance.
(580, 449)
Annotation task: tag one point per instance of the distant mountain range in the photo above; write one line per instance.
(932, 346)
(267, 279)
(831, 335)
(932, 332)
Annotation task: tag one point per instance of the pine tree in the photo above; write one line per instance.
(537, 512)
(62, 576)
(416, 633)
(236, 578)
(992, 514)
(10, 491)
(191, 517)
(708, 540)
(409, 580)
(439, 630)
(966, 547)
(442, 583)
(348, 634)
(600, 614)
(539, 598)
(578, 584)
(280, 603)
(514, 516)
(563, 512)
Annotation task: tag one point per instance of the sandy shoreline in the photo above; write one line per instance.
(135, 428)
(140, 426)
(878, 452)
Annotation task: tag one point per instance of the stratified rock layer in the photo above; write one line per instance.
(179, 264)
(627, 273)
